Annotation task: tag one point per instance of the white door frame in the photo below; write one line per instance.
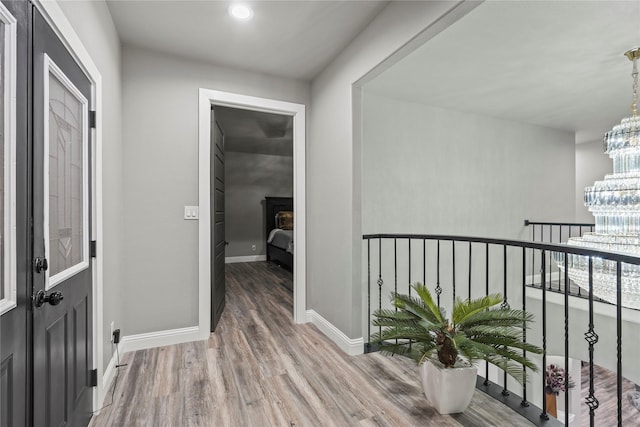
(56, 18)
(207, 98)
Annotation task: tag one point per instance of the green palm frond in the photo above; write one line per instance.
(511, 367)
(427, 300)
(416, 306)
(419, 329)
(479, 330)
(393, 314)
(391, 318)
(497, 317)
(414, 351)
(400, 333)
(496, 341)
(463, 309)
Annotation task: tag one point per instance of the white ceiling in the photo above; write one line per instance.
(294, 39)
(248, 131)
(555, 64)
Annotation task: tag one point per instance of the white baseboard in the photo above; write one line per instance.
(250, 258)
(107, 379)
(109, 372)
(160, 338)
(350, 346)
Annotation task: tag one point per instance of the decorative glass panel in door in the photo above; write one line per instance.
(8, 266)
(66, 169)
(3, 234)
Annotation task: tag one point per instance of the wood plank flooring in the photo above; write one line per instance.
(260, 369)
(606, 386)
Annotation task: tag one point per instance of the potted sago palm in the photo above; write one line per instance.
(447, 349)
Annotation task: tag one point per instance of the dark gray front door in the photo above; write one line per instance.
(62, 328)
(217, 229)
(15, 265)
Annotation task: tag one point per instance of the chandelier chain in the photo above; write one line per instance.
(634, 74)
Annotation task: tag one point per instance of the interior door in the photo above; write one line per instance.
(15, 262)
(217, 231)
(62, 316)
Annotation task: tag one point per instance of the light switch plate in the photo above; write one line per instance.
(191, 212)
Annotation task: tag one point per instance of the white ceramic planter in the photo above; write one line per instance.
(449, 390)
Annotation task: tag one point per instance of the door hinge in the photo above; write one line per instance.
(93, 249)
(92, 119)
(93, 378)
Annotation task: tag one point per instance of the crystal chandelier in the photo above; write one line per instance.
(615, 204)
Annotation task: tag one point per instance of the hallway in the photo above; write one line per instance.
(260, 369)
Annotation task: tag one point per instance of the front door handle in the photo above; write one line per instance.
(41, 298)
(41, 265)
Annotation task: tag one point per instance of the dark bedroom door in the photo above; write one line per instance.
(62, 280)
(15, 265)
(218, 243)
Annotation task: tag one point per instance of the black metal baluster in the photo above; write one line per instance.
(567, 283)
(551, 259)
(566, 339)
(380, 281)
(453, 266)
(395, 271)
(619, 337)
(541, 241)
(549, 270)
(469, 270)
(524, 402)
(560, 235)
(409, 243)
(533, 257)
(592, 339)
(424, 262)
(504, 306)
(579, 288)
(486, 292)
(369, 294)
(543, 272)
(438, 288)
(544, 267)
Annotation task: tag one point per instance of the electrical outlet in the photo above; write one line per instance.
(113, 328)
(253, 247)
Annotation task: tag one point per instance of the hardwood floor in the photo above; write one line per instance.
(605, 386)
(260, 369)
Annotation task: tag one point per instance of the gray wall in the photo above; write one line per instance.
(151, 252)
(333, 174)
(160, 129)
(92, 22)
(249, 177)
(430, 170)
(592, 164)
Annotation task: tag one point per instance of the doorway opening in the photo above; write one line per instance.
(258, 165)
(207, 99)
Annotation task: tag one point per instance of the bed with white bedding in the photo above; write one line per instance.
(279, 228)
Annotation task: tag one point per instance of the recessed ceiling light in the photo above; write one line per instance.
(240, 11)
